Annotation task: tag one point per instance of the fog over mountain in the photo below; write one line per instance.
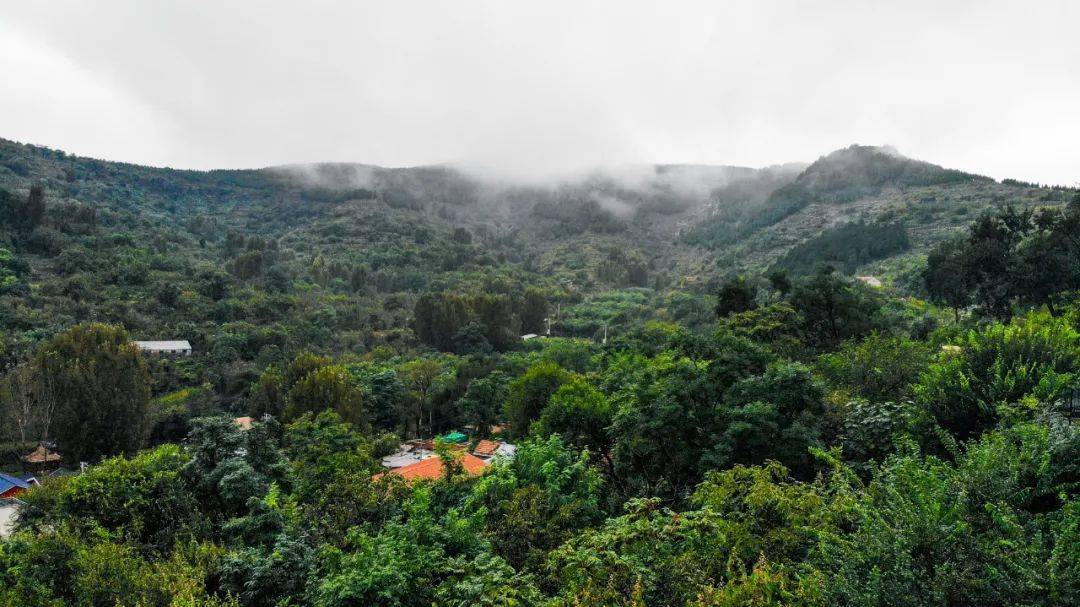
(529, 92)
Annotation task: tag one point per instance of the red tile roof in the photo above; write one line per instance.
(244, 422)
(432, 468)
(486, 448)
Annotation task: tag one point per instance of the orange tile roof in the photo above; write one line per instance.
(432, 468)
(487, 448)
(244, 422)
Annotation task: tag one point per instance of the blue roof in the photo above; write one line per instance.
(7, 482)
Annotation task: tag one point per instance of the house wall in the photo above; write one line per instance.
(14, 491)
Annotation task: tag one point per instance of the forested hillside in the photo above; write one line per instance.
(707, 407)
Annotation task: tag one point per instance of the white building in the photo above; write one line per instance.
(176, 348)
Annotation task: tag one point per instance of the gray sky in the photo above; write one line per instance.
(530, 89)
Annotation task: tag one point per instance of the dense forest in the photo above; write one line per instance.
(708, 408)
(847, 247)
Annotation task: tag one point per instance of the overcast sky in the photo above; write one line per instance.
(530, 88)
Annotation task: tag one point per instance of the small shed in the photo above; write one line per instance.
(41, 458)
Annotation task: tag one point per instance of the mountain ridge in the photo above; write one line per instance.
(741, 217)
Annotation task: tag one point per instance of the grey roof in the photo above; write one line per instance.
(405, 455)
(156, 346)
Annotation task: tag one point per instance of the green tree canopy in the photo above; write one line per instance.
(98, 387)
(581, 414)
(331, 387)
(736, 295)
(528, 394)
(482, 404)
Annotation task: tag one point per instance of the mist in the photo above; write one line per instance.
(546, 92)
(334, 176)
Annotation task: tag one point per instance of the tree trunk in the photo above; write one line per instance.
(1051, 308)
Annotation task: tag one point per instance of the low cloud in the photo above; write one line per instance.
(543, 92)
(334, 176)
(613, 205)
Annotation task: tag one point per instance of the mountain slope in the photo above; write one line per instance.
(858, 184)
(844, 176)
(338, 252)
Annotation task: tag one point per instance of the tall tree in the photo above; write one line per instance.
(534, 310)
(1046, 262)
(268, 394)
(483, 401)
(35, 207)
(529, 394)
(100, 387)
(736, 295)
(495, 313)
(423, 378)
(946, 276)
(582, 415)
(438, 316)
(832, 308)
(384, 394)
(779, 279)
(991, 254)
(17, 402)
(330, 387)
(301, 366)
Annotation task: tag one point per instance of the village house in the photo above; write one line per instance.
(417, 459)
(431, 468)
(11, 486)
(412, 451)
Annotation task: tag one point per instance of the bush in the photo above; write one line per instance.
(999, 365)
